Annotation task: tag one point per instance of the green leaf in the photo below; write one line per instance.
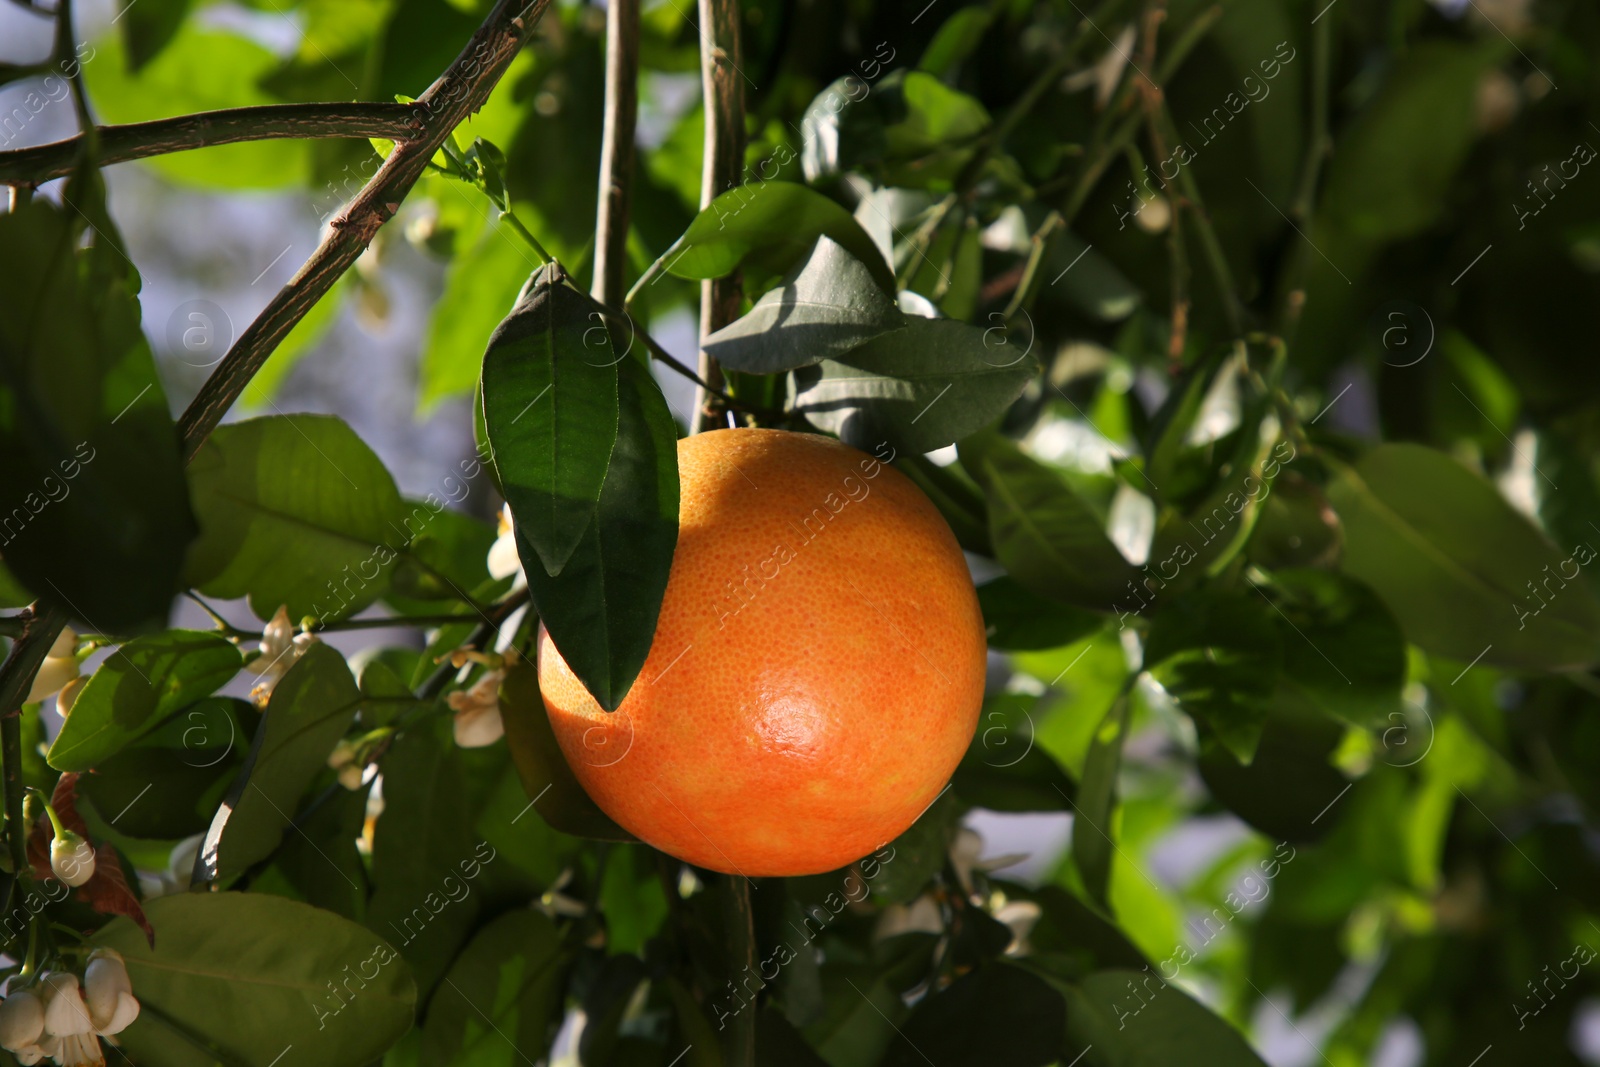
(502, 995)
(995, 1016)
(920, 388)
(1091, 281)
(141, 683)
(168, 783)
(1218, 654)
(146, 32)
(483, 282)
(1092, 828)
(1288, 788)
(1017, 619)
(772, 225)
(1134, 1019)
(311, 708)
(251, 976)
(545, 774)
(824, 308)
(908, 130)
(957, 37)
(1342, 649)
(294, 510)
(601, 610)
(97, 514)
(200, 69)
(1043, 532)
(1005, 769)
(1466, 574)
(917, 854)
(550, 404)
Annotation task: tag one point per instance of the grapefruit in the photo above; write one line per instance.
(816, 672)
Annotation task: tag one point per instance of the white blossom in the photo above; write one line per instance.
(503, 559)
(478, 722)
(72, 858)
(280, 647)
(60, 666)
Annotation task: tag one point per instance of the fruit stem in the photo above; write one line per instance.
(739, 1043)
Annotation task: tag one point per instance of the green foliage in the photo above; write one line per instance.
(1260, 333)
(218, 982)
(143, 682)
(294, 510)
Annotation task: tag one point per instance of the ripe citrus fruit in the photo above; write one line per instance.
(816, 672)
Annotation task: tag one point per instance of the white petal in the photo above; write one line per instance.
(479, 727)
(503, 559)
(66, 644)
(276, 636)
(64, 1011)
(122, 1018)
(54, 673)
(80, 1050)
(105, 982)
(21, 1019)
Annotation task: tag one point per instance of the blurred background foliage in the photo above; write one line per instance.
(1338, 756)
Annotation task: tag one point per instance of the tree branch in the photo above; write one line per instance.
(723, 93)
(140, 140)
(616, 151)
(457, 93)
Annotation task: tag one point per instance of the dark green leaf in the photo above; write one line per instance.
(1218, 653)
(142, 683)
(1017, 619)
(601, 610)
(311, 708)
(916, 855)
(1004, 768)
(823, 309)
(1466, 575)
(772, 224)
(147, 31)
(920, 388)
(1290, 784)
(168, 783)
(1342, 649)
(1092, 826)
(252, 976)
(958, 35)
(996, 1016)
(502, 994)
(557, 796)
(97, 513)
(294, 510)
(550, 405)
(1048, 537)
(1134, 1019)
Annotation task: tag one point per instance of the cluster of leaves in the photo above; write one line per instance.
(1217, 593)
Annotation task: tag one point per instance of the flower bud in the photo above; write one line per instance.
(54, 672)
(72, 859)
(21, 1020)
(108, 992)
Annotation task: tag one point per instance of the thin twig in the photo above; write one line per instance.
(141, 140)
(723, 92)
(616, 151)
(460, 91)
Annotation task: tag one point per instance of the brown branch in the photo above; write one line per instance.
(616, 151)
(140, 140)
(460, 91)
(721, 82)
